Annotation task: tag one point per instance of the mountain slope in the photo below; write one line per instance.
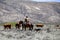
(15, 10)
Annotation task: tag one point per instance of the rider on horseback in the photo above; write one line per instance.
(26, 20)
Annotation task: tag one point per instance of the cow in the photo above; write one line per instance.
(57, 27)
(7, 26)
(39, 27)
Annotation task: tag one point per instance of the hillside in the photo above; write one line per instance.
(15, 10)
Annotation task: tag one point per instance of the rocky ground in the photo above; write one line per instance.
(15, 34)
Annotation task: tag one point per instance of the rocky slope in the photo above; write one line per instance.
(15, 10)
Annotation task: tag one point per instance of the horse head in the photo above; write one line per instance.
(20, 22)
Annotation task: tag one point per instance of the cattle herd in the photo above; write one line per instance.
(24, 26)
(21, 24)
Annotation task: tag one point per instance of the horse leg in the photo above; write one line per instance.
(22, 27)
(32, 27)
(18, 26)
(29, 28)
(25, 28)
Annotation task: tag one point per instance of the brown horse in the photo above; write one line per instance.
(24, 26)
(7, 26)
(18, 25)
(27, 25)
(30, 26)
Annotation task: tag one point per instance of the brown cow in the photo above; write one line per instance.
(7, 26)
(39, 25)
(57, 27)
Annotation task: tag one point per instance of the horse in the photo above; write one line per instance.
(27, 25)
(7, 26)
(24, 25)
(30, 26)
(18, 25)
